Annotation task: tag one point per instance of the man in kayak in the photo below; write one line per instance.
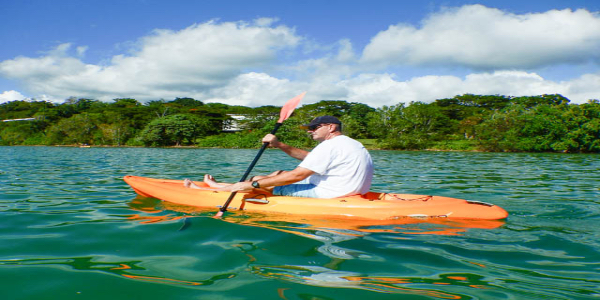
(337, 166)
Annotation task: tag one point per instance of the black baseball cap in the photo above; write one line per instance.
(323, 120)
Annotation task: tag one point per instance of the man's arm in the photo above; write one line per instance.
(289, 150)
(293, 176)
(284, 178)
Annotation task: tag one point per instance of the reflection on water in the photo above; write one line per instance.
(69, 229)
(327, 275)
(128, 269)
(320, 276)
(326, 233)
(318, 228)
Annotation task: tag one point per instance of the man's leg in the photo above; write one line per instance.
(211, 182)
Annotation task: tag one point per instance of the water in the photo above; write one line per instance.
(70, 228)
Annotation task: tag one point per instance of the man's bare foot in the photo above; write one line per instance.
(190, 184)
(210, 180)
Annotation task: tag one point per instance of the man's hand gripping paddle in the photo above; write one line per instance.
(284, 114)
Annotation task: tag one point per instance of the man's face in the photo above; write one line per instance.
(320, 132)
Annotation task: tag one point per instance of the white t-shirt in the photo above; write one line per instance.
(342, 165)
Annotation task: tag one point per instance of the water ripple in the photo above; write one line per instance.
(69, 223)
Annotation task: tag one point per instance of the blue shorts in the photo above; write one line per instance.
(299, 189)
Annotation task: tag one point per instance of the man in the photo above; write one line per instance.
(338, 166)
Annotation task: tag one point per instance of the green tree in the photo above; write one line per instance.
(583, 122)
(336, 108)
(180, 129)
(416, 126)
(125, 102)
(78, 129)
(22, 109)
(519, 127)
(21, 133)
(115, 129)
(187, 102)
(547, 99)
(381, 122)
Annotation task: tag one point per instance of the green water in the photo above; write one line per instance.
(70, 228)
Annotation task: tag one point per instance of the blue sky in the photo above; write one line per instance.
(265, 52)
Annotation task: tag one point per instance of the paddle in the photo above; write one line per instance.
(284, 114)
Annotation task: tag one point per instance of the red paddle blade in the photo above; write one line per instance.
(288, 108)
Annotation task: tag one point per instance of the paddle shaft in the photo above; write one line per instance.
(260, 152)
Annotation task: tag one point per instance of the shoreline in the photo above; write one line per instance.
(196, 147)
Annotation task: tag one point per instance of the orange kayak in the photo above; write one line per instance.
(372, 206)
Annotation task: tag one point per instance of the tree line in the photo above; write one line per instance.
(545, 123)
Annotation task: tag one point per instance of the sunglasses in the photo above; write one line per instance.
(315, 127)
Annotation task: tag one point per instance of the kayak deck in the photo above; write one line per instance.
(373, 206)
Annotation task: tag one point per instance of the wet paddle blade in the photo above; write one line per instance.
(288, 108)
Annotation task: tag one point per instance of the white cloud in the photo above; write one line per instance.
(81, 50)
(487, 38)
(253, 89)
(165, 64)
(345, 52)
(583, 88)
(256, 63)
(12, 95)
(384, 89)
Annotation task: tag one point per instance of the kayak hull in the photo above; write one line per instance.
(372, 206)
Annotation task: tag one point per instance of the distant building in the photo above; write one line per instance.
(234, 123)
(23, 119)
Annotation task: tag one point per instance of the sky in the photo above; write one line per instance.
(253, 53)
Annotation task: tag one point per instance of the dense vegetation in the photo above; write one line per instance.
(546, 123)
